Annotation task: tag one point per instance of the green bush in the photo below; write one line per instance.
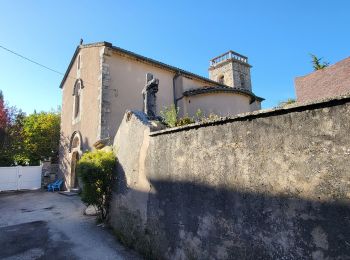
(199, 115)
(97, 172)
(170, 115)
(213, 117)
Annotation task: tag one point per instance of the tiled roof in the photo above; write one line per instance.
(154, 62)
(220, 89)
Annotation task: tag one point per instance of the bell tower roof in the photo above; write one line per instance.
(230, 55)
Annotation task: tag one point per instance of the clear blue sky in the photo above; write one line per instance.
(277, 36)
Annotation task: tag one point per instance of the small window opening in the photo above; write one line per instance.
(221, 79)
(79, 62)
(77, 99)
(242, 81)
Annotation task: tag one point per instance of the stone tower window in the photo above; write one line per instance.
(242, 79)
(221, 79)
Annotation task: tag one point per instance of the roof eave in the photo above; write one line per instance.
(164, 65)
(152, 61)
(77, 49)
(200, 91)
(70, 66)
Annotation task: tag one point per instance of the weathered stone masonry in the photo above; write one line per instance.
(271, 185)
(234, 70)
(105, 96)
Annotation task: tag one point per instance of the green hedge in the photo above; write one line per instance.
(97, 172)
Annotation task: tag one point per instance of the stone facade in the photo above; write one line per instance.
(86, 127)
(331, 81)
(268, 185)
(112, 80)
(105, 98)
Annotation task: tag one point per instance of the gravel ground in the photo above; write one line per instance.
(44, 225)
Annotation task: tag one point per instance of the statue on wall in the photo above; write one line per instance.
(149, 97)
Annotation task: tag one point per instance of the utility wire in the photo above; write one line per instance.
(30, 60)
(39, 64)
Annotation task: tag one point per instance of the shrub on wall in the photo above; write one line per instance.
(97, 172)
(286, 103)
(170, 116)
(185, 121)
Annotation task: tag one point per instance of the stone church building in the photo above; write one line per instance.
(103, 81)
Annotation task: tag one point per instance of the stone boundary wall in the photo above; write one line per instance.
(265, 185)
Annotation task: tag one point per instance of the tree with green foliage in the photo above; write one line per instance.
(27, 139)
(317, 64)
(97, 172)
(41, 134)
(15, 135)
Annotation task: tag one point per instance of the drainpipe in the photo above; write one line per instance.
(177, 74)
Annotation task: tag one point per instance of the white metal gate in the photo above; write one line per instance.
(20, 178)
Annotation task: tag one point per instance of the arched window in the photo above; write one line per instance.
(77, 97)
(75, 142)
(221, 79)
(76, 100)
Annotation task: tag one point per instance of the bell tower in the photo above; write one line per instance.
(231, 69)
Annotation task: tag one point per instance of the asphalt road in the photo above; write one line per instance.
(42, 225)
